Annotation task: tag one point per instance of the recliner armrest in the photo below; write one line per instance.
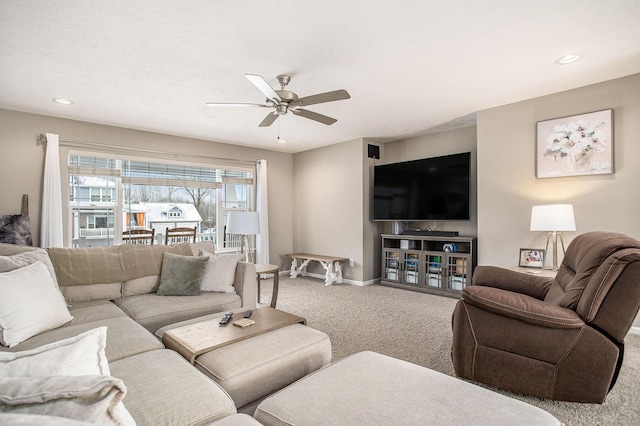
(506, 279)
(521, 307)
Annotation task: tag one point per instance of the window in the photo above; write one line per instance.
(109, 194)
(175, 213)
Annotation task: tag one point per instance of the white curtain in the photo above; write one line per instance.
(51, 219)
(262, 239)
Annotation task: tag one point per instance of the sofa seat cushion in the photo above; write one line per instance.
(125, 337)
(164, 389)
(238, 419)
(370, 388)
(94, 310)
(153, 311)
(254, 368)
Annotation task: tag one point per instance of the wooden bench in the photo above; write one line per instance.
(331, 264)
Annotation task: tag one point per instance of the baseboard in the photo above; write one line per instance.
(347, 281)
(635, 330)
(344, 280)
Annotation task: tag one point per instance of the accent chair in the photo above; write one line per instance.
(558, 338)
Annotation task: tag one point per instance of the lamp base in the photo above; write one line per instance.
(553, 236)
(247, 248)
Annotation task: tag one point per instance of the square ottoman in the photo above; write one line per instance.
(253, 368)
(373, 389)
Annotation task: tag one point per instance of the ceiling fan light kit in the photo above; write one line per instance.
(284, 101)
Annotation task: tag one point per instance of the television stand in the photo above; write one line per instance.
(432, 264)
(432, 233)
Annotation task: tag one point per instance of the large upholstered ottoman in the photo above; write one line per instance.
(256, 367)
(372, 389)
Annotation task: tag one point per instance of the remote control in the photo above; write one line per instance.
(225, 319)
(248, 313)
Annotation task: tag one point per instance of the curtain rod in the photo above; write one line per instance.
(78, 143)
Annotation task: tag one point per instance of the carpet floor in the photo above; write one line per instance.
(416, 327)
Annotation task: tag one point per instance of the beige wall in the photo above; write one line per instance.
(507, 186)
(329, 204)
(22, 160)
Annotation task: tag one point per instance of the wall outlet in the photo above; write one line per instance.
(352, 262)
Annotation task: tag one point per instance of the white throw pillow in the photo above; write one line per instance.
(29, 304)
(55, 369)
(25, 258)
(95, 399)
(81, 355)
(220, 272)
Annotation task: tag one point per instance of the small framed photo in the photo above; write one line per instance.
(531, 258)
(575, 146)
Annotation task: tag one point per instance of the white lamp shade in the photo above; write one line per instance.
(553, 217)
(244, 223)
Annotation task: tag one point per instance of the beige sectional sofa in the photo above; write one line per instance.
(115, 287)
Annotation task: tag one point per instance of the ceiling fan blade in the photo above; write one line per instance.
(336, 95)
(264, 87)
(314, 116)
(222, 104)
(269, 119)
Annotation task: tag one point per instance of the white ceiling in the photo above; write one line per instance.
(411, 66)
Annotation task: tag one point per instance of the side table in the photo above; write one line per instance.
(547, 273)
(269, 269)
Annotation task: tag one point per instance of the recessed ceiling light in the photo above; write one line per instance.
(568, 59)
(62, 101)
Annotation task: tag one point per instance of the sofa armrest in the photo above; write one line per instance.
(506, 279)
(246, 284)
(521, 307)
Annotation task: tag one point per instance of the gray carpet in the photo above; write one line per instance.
(416, 327)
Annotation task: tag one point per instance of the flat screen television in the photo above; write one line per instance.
(429, 189)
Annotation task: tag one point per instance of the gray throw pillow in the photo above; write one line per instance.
(181, 275)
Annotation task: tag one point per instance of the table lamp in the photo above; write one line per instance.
(553, 218)
(245, 224)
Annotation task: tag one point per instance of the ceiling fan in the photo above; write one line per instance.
(284, 101)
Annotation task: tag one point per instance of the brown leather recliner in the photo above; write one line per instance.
(559, 338)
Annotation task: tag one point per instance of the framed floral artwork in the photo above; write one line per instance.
(575, 146)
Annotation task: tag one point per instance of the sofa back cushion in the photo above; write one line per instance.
(110, 272)
(591, 267)
(88, 273)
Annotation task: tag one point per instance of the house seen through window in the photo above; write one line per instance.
(111, 195)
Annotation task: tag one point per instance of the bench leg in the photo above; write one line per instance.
(295, 270)
(332, 276)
